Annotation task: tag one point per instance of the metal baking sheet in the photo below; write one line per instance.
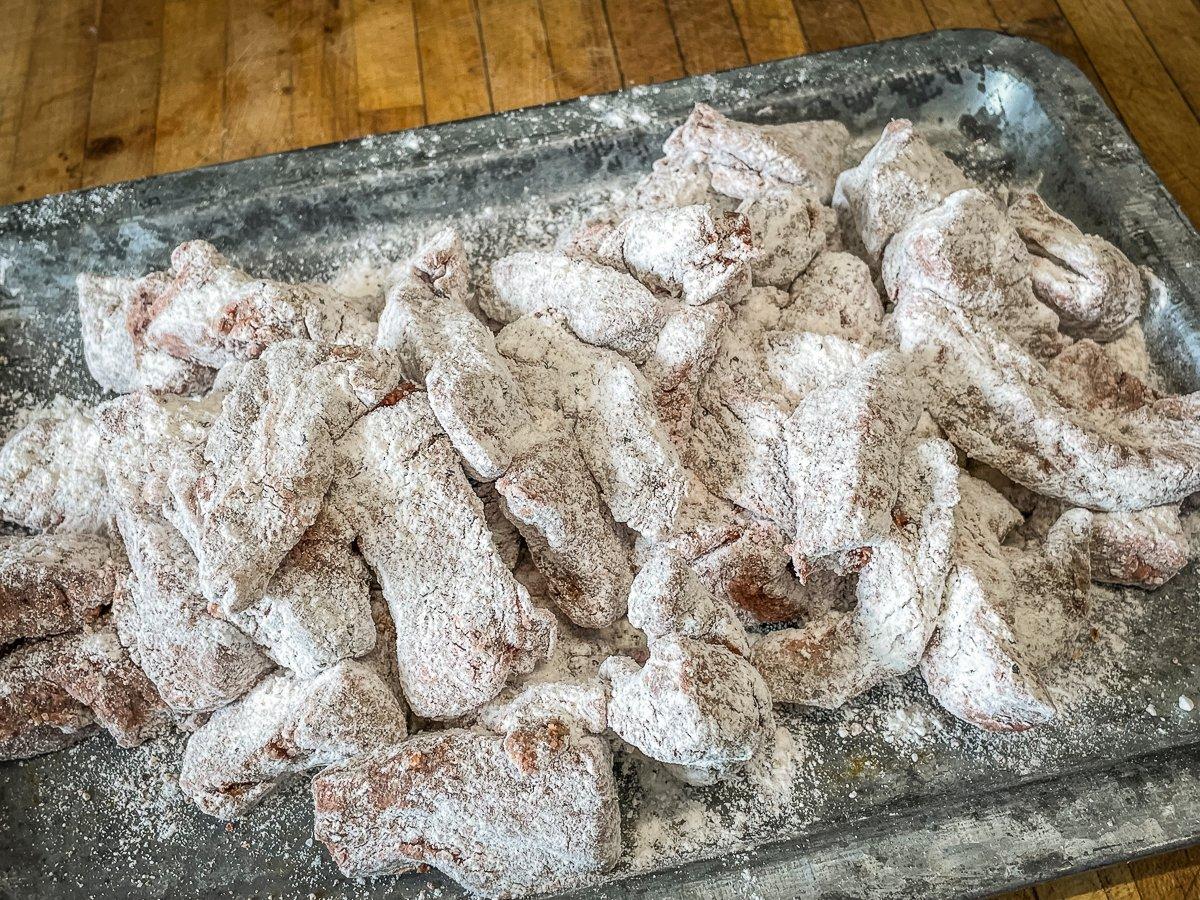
(891, 798)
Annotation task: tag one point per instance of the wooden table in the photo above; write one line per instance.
(97, 91)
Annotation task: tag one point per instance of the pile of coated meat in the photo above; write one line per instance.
(453, 547)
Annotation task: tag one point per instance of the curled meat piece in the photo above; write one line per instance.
(209, 312)
(970, 256)
(1088, 377)
(55, 583)
(551, 497)
(443, 346)
(790, 227)
(667, 597)
(682, 356)
(533, 811)
(745, 159)
(699, 708)
(836, 295)
(1094, 287)
(840, 655)
(602, 306)
(95, 670)
(846, 442)
(51, 477)
(1009, 613)
(691, 252)
(108, 347)
(901, 177)
(36, 715)
(269, 458)
(284, 727)
(1004, 408)
(1129, 351)
(609, 406)
(465, 623)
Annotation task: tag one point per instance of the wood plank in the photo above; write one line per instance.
(1173, 27)
(770, 29)
(190, 124)
(1156, 113)
(516, 53)
(1043, 21)
(324, 80)
(582, 57)
(258, 79)
(20, 16)
(830, 24)
(387, 66)
(708, 35)
(1119, 883)
(124, 104)
(1022, 894)
(52, 126)
(895, 18)
(1084, 886)
(961, 14)
(452, 68)
(1156, 876)
(645, 42)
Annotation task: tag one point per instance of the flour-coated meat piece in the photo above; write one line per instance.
(36, 715)
(836, 295)
(790, 227)
(682, 355)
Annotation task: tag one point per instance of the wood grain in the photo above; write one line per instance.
(258, 79)
(324, 96)
(452, 69)
(190, 122)
(770, 29)
(961, 14)
(642, 33)
(830, 24)
(708, 35)
(516, 52)
(895, 18)
(1173, 27)
(581, 50)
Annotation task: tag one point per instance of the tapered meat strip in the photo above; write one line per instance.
(899, 597)
(210, 312)
(98, 672)
(699, 708)
(609, 406)
(1094, 287)
(1009, 613)
(683, 354)
(284, 727)
(901, 177)
(602, 306)
(108, 347)
(550, 495)
(745, 159)
(464, 624)
(50, 473)
(846, 444)
(692, 252)
(967, 253)
(55, 583)
(836, 295)
(36, 715)
(446, 348)
(270, 458)
(503, 816)
(1002, 407)
(789, 227)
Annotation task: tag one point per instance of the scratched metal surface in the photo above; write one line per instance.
(971, 814)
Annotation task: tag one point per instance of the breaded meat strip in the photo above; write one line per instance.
(691, 252)
(1094, 287)
(1003, 407)
(790, 227)
(464, 624)
(269, 458)
(966, 252)
(55, 583)
(901, 177)
(602, 306)
(836, 295)
(285, 727)
(209, 312)
(682, 356)
(900, 590)
(446, 348)
(1009, 613)
(609, 406)
(551, 497)
(846, 442)
(532, 811)
(36, 715)
(51, 477)
(108, 347)
(745, 159)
